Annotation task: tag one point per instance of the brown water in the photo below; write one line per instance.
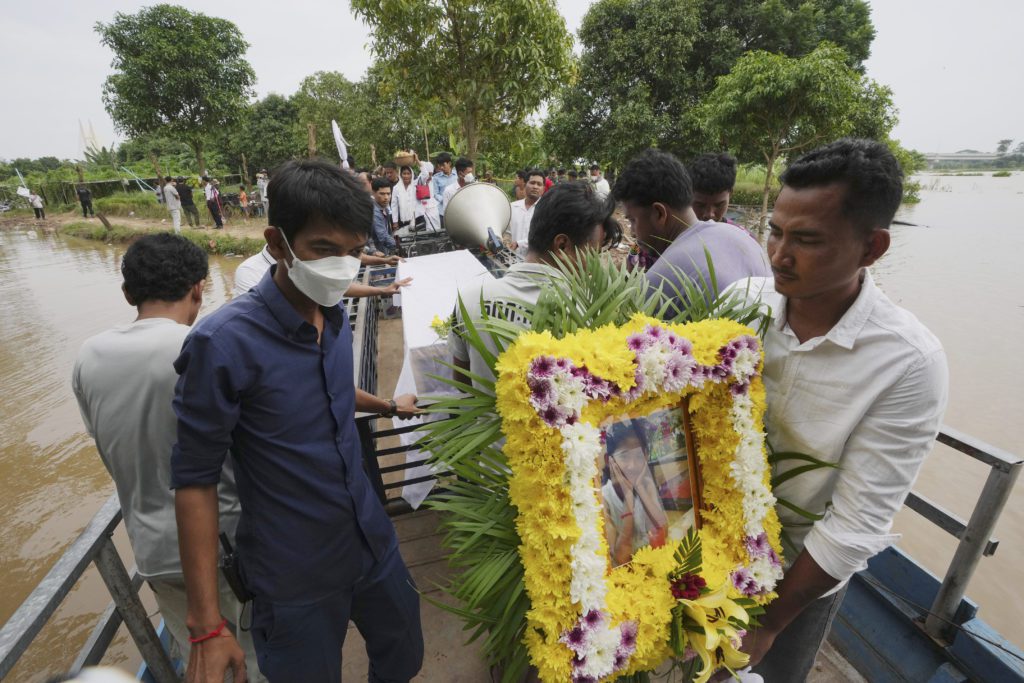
(955, 270)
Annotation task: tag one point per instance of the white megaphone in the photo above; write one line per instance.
(477, 215)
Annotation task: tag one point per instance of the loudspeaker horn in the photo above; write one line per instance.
(477, 215)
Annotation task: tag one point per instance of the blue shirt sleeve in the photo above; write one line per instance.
(206, 402)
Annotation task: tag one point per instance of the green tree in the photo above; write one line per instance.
(178, 72)
(646, 64)
(267, 133)
(489, 63)
(771, 106)
(1002, 148)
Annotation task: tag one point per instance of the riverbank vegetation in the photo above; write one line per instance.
(210, 241)
(645, 76)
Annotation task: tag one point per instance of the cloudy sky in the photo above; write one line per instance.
(954, 67)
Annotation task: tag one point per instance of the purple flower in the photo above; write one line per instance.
(739, 389)
(592, 619)
(744, 582)
(576, 639)
(758, 546)
(684, 346)
(628, 630)
(552, 416)
(542, 393)
(543, 366)
(578, 662)
(562, 363)
(654, 332)
(636, 342)
(620, 661)
(581, 678)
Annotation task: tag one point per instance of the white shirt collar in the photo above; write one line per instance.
(845, 332)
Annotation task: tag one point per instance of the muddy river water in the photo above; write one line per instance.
(954, 268)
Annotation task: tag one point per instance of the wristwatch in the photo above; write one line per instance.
(392, 408)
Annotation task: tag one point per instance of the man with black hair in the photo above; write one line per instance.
(518, 232)
(442, 178)
(567, 220)
(391, 172)
(463, 176)
(124, 382)
(713, 176)
(188, 205)
(383, 240)
(172, 202)
(212, 203)
(656, 194)
(85, 199)
(851, 378)
(269, 377)
(519, 187)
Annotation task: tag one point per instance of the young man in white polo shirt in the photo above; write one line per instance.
(851, 378)
(567, 219)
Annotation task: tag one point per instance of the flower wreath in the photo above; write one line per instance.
(587, 621)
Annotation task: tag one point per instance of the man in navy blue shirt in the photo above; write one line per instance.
(268, 377)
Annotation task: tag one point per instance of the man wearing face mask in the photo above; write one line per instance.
(464, 176)
(269, 378)
(657, 195)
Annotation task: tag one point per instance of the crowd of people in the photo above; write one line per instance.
(267, 379)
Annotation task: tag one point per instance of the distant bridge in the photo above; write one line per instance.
(934, 157)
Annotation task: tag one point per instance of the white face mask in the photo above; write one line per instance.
(323, 280)
(469, 178)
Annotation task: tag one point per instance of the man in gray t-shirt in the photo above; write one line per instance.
(124, 381)
(657, 195)
(567, 219)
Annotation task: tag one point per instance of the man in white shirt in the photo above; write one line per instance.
(567, 219)
(173, 202)
(213, 202)
(124, 381)
(600, 184)
(464, 176)
(518, 231)
(851, 378)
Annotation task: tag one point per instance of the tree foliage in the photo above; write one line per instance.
(488, 63)
(646, 64)
(771, 106)
(1004, 146)
(177, 72)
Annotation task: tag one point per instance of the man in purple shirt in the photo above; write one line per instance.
(657, 195)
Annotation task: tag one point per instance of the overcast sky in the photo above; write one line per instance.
(954, 67)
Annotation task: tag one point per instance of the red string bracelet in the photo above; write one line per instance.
(625, 514)
(212, 634)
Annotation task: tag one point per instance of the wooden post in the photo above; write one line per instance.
(311, 128)
(373, 156)
(426, 143)
(115, 576)
(156, 166)
(81, 173)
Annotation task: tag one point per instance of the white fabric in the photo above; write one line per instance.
(601, 188)
(519, 227)
(437, 279)
(124, 382)
(209, 191)
(403, 203)
(449, 192)
(251, 271)
(522, 283)
(171, 199)
(176, 219)
(868, 396)
(36, 201)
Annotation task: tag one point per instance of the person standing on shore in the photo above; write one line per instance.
(36, 202)
(173, 203)
(85, 199)
(212, 202)
(188, 205)
(124, 381)
(262, 178)
(268, 378)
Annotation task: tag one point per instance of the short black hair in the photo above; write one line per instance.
(713, 173)
(655, 176)
(595, 167)
(523, 174)
(532, 172)
(180, 179)
(304, 189)
(206, 178)
(378, 183)
(572, 209)
(462, 163)
(162, 267)
(390, 164)
(404, 169)
(442, 158)
(867, 168)
(168, 178)
(573, 174)
(561, 171)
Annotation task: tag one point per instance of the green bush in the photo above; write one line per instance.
(141, 204)
(213, 243)
(1001, 174)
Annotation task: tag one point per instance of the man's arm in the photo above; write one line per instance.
(405, 405)
(371, 260)
(356, 290)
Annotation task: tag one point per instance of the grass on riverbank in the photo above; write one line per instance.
(211, 242)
